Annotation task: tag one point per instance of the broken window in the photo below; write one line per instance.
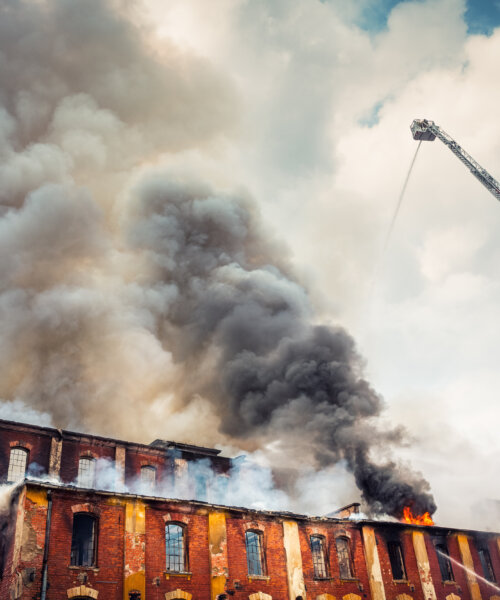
(444, 560)
(175, 545)
(485, 558)
(319, 556)
(344, 556)
(86, 472)
(255, 553)
(397, 560)
(148, 479)
(17, 464)
(84, 540)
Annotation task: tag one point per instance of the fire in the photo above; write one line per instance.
(409, 517)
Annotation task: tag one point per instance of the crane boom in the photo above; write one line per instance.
(422, 129)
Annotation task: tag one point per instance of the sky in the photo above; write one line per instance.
(304, 107)
(330, 90)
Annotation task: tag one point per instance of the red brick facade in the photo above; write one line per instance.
(131, 554)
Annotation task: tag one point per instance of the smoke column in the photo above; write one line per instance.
(136, 299)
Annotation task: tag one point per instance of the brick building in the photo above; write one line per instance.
(61, 537)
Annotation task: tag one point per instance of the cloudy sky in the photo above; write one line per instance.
(304, 106)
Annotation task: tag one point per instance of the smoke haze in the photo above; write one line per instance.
(137, 300)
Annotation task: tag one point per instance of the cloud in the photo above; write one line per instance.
(268, 99)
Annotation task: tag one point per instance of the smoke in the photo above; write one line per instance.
(133, 298)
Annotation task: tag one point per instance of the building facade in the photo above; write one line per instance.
(61, 537)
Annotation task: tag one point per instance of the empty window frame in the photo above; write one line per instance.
(319, 556)
(86, 472)
(444, 560)
(175, 546)
(148, 478)
(17, 464)
(343, 546)
(255, 553)
(84, 540)
(486, 564)
(396, 559)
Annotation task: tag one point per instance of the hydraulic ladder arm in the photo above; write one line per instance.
(422, 129)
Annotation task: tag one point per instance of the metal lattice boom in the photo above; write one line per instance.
(422, 129)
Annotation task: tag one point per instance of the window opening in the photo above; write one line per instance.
(319, 556)
(486, 564)
(444, 561)
(148, 478)
(86, 472)
(83, 542)
(175, 548)
(17, 464)
(344, 556)
(255, 555)
(397, 560)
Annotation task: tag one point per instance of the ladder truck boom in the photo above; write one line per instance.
(422, 129)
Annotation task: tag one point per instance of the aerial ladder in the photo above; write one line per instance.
(425, 130)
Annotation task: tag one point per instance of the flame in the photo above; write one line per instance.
(409, 517)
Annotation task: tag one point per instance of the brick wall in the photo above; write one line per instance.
(38, 446)
(197, 581)
(275, 583)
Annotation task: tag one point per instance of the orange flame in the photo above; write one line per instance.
(409, 517)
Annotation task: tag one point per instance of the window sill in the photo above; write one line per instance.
(82, 568)
(185, 574)
(323, 578)
(349, 580)
(448, 582)
(258, 577)
(400, 581)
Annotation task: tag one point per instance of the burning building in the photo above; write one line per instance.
(88, 517)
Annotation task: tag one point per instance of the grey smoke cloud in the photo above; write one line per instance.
(120, 305)
(271, 370)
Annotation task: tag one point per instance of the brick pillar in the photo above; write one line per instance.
(217, 542)
(463, 546)
(424, 569)
(293, 555)
(373, 564)
(120, 467)
(55, 457)
(135, 548)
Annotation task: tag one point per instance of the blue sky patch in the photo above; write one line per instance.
(481, 16)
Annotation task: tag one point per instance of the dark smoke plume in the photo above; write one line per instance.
(162, 304)
(270, 370)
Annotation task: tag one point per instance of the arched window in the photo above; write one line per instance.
(148, 479)
(255, 553)
(344, 557)
(319, 556)
(486, 564)
(443, 559)
(84, 540)
(175, 546)
(17, 464)
(86, 472)
(396, 559)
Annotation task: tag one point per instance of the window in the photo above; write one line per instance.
(17, 464)
(319, 556)
(344, 556)
(444, 560)
(148, 478)
(86, 472)
(485, 558)
(397, 560)
(175, 548)
(84, 540)
(255, 554)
